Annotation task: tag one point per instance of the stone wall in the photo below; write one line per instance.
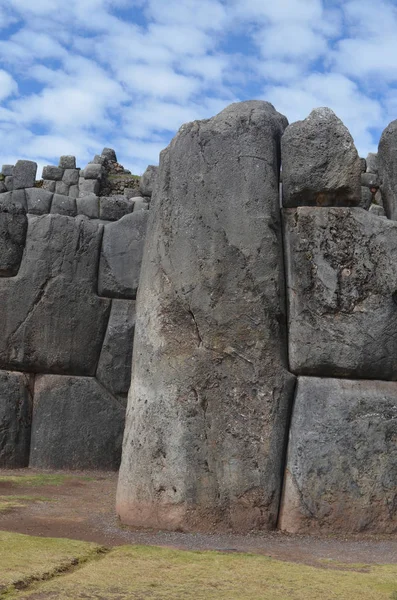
(69, 273)
(216, 437)
(264, 381)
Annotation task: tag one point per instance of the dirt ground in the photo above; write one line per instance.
(82, 508)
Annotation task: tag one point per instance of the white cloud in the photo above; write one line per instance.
(336, 91)
(100, 79)
(8, 85)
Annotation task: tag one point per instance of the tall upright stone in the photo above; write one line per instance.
(321, 166)
(210, 394)
(387, 169)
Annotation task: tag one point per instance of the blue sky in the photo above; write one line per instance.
(78, 75)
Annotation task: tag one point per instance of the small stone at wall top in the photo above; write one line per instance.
(52, 173)
(67, 162)
(24, 174)
(110, 154)
(7, 170)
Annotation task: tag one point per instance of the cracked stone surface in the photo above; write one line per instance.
(121, 256)
(51, 320)
(15, 419)
(86, 424)
(342, 284)
(342, 458)
(321, 166)
(13, 227)
(114, 367)
(210, 394)
(387, 169)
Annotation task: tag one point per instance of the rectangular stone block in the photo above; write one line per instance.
(64, 205)
(114, 367)
(88, 206)
(15, 419)
(113, 208)
(342, 284)
(53, 321)
(67, 162)
(71, 176)
(24, 174)
(341, 473)
(7, 170)
(88, 186)
(53, 173)
(121, 256)
(39, 201)
(49, 185)
(62, 188)
(76, 424)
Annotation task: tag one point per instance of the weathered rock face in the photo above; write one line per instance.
(321, 166)
(121, 256)
(210, 394)
(342, 457)
(53, 321)
(13, 226)
(86, 424)
(387, 169)
(114, 367)
(342, 282)
(15, 419)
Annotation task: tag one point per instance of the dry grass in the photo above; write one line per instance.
(11, 502)
(143, 573)
(24, 559)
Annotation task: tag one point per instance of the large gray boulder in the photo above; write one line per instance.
(148, 180)
(321, 166)
(13, 227)
(15, 419)
(76, 424)
(342, 458)
(121, 256)
(210, 392)
(387, 169)
(342, 284)
(52, 321)
(114, 367)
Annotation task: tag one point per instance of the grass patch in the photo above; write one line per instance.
(10, 502)
(24, 559)
(146, 573)
(40, 479)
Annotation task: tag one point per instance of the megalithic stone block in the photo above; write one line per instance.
(76, 424)
(13, 227)
(386, 165)
(114, 367)
(341, 471)
(210, 393)
(52, 319)
(15, 419)
(342, 293)
(321, 166)
(121, 256)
